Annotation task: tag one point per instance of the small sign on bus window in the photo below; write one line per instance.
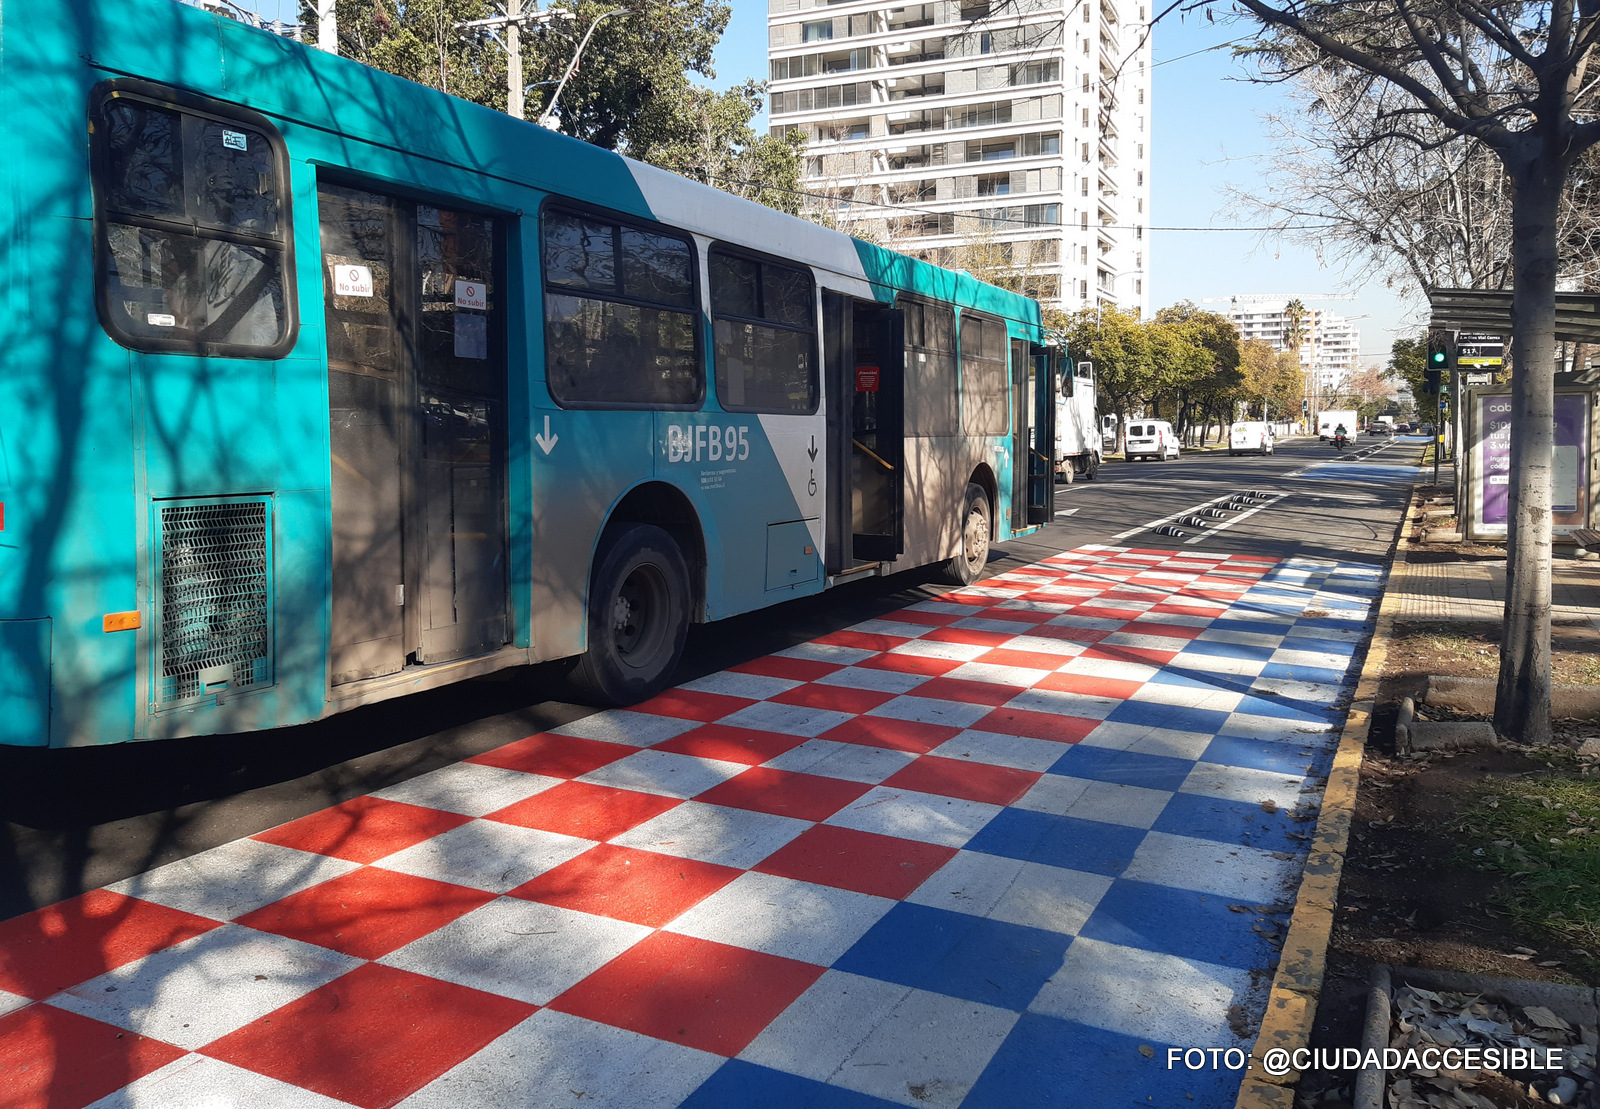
(352, 281)
(235, 140)
(161, 319)
(472, 294)
(866, 379)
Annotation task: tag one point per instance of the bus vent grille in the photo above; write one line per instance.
(215, 598)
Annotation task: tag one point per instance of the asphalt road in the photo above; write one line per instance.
(76, 820)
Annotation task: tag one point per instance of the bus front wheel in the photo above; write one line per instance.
(638, 618)
(973, 551)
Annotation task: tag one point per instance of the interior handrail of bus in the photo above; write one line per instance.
(866, 450)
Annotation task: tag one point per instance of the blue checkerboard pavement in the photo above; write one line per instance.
(999, 848)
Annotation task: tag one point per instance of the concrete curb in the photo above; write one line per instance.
(1292, 1004)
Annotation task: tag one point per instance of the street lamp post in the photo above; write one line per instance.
(547, 118)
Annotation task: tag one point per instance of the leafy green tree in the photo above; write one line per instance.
(1408, 361)
(1273, 382)
(1202, 369)
(632, 91)
(1118, 344)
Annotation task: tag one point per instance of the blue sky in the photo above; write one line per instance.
(1206, 135)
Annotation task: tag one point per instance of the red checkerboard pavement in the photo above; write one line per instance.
(981, 851)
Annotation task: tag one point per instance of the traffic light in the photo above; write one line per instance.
(1305, 407)
(1441, 357)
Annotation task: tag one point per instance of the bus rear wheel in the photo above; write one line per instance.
(973, 553)
(1091, 466)
(638, 618)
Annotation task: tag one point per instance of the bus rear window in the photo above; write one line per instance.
(766, 335)
(620, 316)
(191, 228)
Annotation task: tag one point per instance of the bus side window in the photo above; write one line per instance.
(619, 311)
(766, 335)
(191, 229)
(983, 375)
(930, 381)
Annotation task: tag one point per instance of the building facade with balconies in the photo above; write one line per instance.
(993, 133)
(1330, 344)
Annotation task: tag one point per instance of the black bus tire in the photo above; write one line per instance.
(638, 618)
(1091, 466)
(972, 552)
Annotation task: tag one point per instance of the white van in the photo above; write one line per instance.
(1251, 435)
(1151, 439)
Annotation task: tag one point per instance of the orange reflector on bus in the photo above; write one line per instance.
(119, 621)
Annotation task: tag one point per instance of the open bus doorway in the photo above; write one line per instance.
(866, 432)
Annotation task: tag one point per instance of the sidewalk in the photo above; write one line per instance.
(1001, 848)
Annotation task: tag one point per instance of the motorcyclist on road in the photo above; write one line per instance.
(1340, 437)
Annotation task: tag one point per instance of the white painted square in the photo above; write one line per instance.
(898, 628)
(557, 1061)
(884, 1040)
(1092, 623)
(1027, 604)
(233, 879)
(924, 817)
(1188, 696)
(1146, 995)
(938, 648)
(1341, 635)
(1244, 639)
(1019, 677)
(10, 1002)
(665, 773)
(769, 716)
(1209, 866)
(994, 749)
(927, 710)
(1277, 728)
(1316, 693)
(1030, 894)
(1063, 702)
(780, 916)
(1145, 740)
(1218, 664)
(732, 683)
(636, 729)
(1243, 783)
(943, 608)
(1176, 619)
(206, 987)
(1265, 618)
(520, 949)
(1106, 802)
(869, 677)
(487, 855)
(1063, 648)
(713, 834)
(1119, 669)
(827, 652)
(1126, 604)
(853, 762)
(1003, 627)
(197, 1082)
(1326, 660)
(468, 788)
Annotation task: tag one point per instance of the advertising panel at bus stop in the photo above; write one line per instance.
(1491, 479)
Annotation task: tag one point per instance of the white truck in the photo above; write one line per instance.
(1078, 443)
(1329, 421)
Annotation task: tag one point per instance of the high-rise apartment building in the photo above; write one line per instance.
(1330, 345)
(1012, 131)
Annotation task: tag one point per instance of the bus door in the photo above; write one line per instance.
(416, 387)
(1042, 467)
(1023, 377)
(874, 401)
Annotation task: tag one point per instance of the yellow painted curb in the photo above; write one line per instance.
(1297, 985)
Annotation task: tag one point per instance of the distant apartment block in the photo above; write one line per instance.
(1015, 130)
(1330, 344)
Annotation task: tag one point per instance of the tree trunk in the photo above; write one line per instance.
(1522, 696)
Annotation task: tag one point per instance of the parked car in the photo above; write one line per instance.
(1151, 439)
(1251, 435)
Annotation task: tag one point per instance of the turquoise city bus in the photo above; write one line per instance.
(321, 387)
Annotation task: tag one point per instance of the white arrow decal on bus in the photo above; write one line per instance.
(546, 441)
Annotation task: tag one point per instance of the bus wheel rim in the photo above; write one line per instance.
(638, 615)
